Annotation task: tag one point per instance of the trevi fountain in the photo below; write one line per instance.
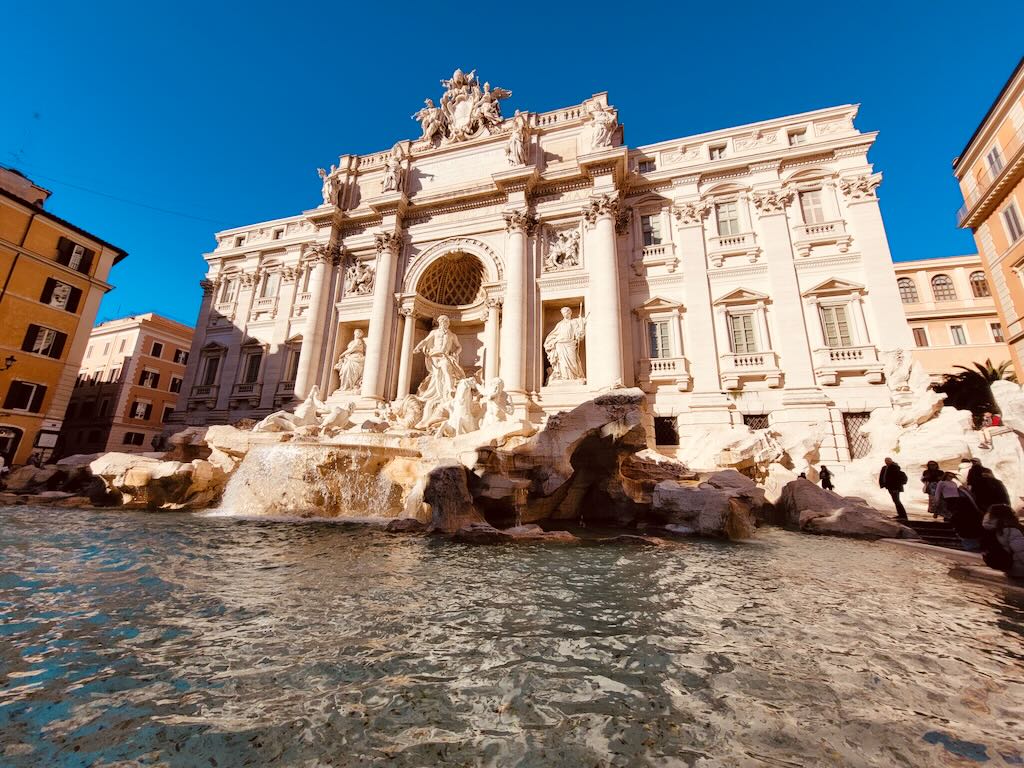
(462, 573)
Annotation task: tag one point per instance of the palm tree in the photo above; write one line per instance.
(969, 389)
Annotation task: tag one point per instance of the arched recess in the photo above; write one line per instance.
(492, 264)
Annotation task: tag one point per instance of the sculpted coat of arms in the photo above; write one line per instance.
(467, 110)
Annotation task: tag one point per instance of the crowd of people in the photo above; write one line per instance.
(978, 509)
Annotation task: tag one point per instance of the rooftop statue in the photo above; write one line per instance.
(466, 110)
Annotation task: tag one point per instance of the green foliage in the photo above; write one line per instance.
(969, 389)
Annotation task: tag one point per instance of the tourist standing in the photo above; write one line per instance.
(986, 430)
(892, 478)
(988, 490)
(1003, 523)
(974, 472)
(929, 479)
(957, 506)
(826, 478)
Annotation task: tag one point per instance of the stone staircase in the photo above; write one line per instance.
(938, 533)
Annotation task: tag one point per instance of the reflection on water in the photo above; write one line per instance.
(179, 640)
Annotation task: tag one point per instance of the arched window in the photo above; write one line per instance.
(979, 284)
(942, 288)
(908, 291)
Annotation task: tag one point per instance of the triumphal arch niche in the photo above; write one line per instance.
(738, 274)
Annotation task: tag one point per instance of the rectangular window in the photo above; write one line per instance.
(957, 335)
(141, 409)
(229, 291)
(836, 326)
(278, 233)
(120, 347)
(271, 284)
(997, 332)
(96, 376)
(149, 379)
(158, 349)
(657, 335)
(645, 166)
(717, 152)
(920, 337)
(133, 438)
(252, 367)
(650, 226)
(1011, 218)
(74, 256)
(239, 241)
(796, 138)
(106, 350)
(88, 351)
(728, 217)
(104, 407)
(741, 333)
(60, 295)
(210, 374)
(812, 206)
(114, 375)
(175, 384)
(291, 367)
(44, 341)
(181, 357)
(995, 160)
(25, 396)
(168, 410)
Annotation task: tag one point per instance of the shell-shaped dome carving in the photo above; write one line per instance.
(454, 280)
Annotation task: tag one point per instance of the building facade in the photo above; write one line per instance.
(951, 312)
(990, 171)
(128, 385)
(737, 276)
(54, 276)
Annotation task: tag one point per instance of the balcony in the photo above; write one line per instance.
(204, 394)
(831, 362)
(264, 306)
(655, 255)
(737, 367)
(807, 236)
(301, 305)
(284, 392)
(247, 393)
(988, 176)
(743, 244)
(664, 369)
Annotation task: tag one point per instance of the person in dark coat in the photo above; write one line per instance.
(826, 478)
(988, 490)
(975, 472)
(892, 478)
(966, 520)
(929, 479)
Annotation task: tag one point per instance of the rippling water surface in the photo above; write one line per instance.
(179, 640)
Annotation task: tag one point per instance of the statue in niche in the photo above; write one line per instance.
(562, 347)
(563, 251)
(516, 149)
(359, 279)
(603, 123)
(440, 349)
(897, 370)
(329, 189)
(350, 363)
(394, 170)
(431, 119)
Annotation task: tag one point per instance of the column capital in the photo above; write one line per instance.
(494, 302)
(249, 279)
(691, 213)
(601, 206)
(209, 286)
(408, 312)
(519, 220)
(387, 241)
(771, 202)
(860, 188)
(289, 274)
(320, 253)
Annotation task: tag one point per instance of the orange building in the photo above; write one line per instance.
(951, 313)
(128, 385)
(990, 171)
(54, 275)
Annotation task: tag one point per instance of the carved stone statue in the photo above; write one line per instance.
(464, 411)
(603, 123)
(432, 120)
(563, 251)
(329, 188)
(897, 370)
(497, 405)
(562, 347)
(516, 149)
(394, 170)
(440, 350)
(350, 363)
(359, 279)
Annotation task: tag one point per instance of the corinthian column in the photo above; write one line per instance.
(491, 338)
(312, 335)
(375, 368)
(604, 326)
(405, 362)
(513, 325)
(195, 358)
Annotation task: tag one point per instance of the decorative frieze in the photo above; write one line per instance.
(563, 250)
(359, 278)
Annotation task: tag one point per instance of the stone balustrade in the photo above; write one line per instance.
(750, 366)
(830, 362)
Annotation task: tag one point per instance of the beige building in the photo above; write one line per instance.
(951, 312)
(128, 385)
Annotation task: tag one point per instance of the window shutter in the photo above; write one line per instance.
(30, 338)
(48, 290)
(64, 249)
(149, 410)
(73, 299)
(37, 399)
(142, 378)
(86, 261)
(156, 381)
(12, 394)
(58, 345)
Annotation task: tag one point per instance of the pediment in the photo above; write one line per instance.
(834, 285)
(656, 303)
(296, 339)
(213, 346)
(741, 296)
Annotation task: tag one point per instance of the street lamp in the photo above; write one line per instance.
(8, 362)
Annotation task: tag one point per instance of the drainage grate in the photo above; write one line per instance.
(860, 444)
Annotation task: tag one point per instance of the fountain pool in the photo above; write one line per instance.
(174, 639)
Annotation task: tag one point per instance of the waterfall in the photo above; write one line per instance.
(310, 480)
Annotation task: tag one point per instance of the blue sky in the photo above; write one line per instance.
(217, 114)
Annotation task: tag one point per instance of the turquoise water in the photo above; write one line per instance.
(181, 640)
